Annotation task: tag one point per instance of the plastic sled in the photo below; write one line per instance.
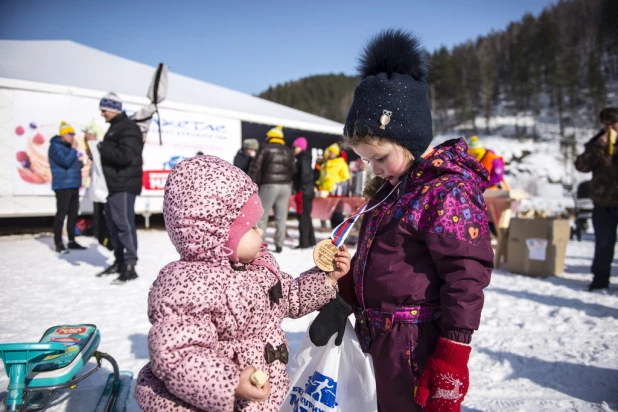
(37, 370)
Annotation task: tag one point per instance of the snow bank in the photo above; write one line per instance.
(543, 345)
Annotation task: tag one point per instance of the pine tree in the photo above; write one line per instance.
(596, 83)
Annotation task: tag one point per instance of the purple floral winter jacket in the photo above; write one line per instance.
(429, 245)
(210, 321)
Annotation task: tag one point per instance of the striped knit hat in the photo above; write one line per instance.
(111, 103)
(276, 132)
(475, 143)
(66, 128)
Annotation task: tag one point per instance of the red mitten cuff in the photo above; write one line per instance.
(453, 353)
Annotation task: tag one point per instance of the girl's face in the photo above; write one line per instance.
(388, 160)
(249, 245)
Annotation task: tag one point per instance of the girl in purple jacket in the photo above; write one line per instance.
(424, 254)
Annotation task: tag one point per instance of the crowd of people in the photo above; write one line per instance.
(121, 160)
(281, 172)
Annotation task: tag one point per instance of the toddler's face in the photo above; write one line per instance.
(387, 160)
(249, 245)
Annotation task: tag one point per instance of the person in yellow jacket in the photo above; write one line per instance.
(334, 172)
(492, 162)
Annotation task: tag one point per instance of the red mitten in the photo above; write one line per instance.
(445, 380)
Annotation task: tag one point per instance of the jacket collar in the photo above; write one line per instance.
(121, 116)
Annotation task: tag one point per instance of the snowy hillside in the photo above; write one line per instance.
(543, 345)
(537, 159)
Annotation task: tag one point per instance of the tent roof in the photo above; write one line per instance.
(37, 61)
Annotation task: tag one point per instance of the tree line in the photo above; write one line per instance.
(562, 61)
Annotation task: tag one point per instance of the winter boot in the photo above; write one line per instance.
(127, 274)
(596, 286)
(114, 268)
(74, 245)
(60, 249)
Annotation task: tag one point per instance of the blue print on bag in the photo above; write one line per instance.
(319, 388)
(322, 389)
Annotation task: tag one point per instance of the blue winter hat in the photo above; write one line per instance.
(111, 103)
(391, 101)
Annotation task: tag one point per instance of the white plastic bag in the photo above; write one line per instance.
(332, 378)
(97, 191)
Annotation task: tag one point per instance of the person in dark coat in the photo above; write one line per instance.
(66, 169)
(121, 157)
(601, 158)
(424, 253)
(303, 186)
(243, 158)
(272, 170)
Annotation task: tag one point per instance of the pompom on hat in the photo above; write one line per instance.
(276, 132)
(475, 143)
(65, 128)
(111, 103)
(391, 101)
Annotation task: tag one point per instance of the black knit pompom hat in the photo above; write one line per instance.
(391, 101)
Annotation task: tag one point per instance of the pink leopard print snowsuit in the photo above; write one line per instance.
(209, 321)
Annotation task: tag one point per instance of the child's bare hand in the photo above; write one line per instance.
(342, 260)
(245, 390)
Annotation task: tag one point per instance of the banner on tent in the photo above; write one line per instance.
(37, 115)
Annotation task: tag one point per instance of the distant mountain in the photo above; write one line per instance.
(563, 62)
(328, 95)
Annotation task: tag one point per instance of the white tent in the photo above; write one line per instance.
(32, 67)
(88, 68)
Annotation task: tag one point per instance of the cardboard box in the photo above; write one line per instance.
(537, 247)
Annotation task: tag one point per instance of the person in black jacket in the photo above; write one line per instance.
(121, 157)
(272, 170)
(246, 154)
(303, 186)
(600, 157)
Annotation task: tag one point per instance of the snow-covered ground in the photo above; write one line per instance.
(543, 345)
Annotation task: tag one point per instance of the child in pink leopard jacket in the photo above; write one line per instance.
(216, 313)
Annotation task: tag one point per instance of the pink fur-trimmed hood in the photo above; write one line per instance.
(203, 196)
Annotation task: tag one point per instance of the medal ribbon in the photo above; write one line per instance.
(342, 231)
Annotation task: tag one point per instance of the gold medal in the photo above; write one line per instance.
(324, 255)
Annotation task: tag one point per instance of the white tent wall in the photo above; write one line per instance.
(13, 204)
(188, 98)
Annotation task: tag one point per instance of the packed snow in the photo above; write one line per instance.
(545, 344)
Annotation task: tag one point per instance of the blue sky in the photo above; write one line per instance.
(249, 45)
